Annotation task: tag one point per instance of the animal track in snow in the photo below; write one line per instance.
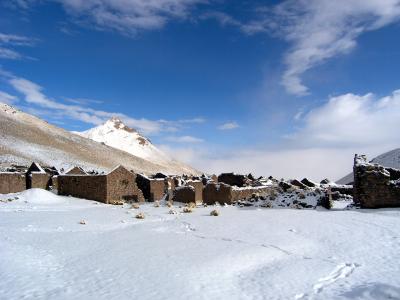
(341, 271)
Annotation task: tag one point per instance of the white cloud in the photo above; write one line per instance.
(34, 95)
(228, 126)
(321, 29)
(324, 146)
(12, 40)
(187, 139)
(7, 98)
(125, 16)
(352, 121)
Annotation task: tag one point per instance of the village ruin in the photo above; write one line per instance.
(374, 186)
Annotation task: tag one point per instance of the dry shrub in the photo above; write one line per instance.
(173, 212)
(135, 206)
(302, 196)
(117, 202)
(191, 205)
(157, 203)
(169, 203)
(82, 222)
(140, 216)
(214, 213)
(187, 209)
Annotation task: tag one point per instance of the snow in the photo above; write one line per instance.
(244, 253)
(115, 134)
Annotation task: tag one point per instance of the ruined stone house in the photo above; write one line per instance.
(233, 179)
(184, 194)
(12, 182)
(117, 185)
(198, 190)
(375, 186)
(36, 177)
(153, 189)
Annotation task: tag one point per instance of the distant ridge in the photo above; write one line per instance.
(25, 138)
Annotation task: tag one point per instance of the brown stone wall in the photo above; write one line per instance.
(373, 186)
(198, 189)
(93, 187)
(184, 194)
(121, 186)
(39, 180)
(12, 183)
(157, 189)
(247, 193)
(221, 193)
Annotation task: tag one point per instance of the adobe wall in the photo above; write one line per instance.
(157, 189)
(12, 183)
(93, 187)
(373, 185)
(221, 193)
(248, 192)
(121, 186)
(232, 179)
(184, 194)
(198, 189)
(38, 180)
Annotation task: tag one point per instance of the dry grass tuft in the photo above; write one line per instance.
(82, 222)
(187, 209)
(135, 206)
(214, 213)
(157, 203)
(191, 205)
(173, 212)
(140, 216)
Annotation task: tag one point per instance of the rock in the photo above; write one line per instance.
(325, 181)
(308, 183)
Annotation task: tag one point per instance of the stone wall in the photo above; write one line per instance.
(38, 180)
(217, 192)
(373, 185)
(233, 179)
(93, 187)
(121, 186)
(157, 189)
(184, 194)
(153, 189)
(12, 183)
(247, 193)
(198, 189)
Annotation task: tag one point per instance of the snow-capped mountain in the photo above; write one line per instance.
(390, 159)
(116, 134)
(25, 138)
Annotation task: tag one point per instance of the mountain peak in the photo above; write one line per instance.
(117, 123)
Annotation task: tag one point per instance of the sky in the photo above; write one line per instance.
(287, 88)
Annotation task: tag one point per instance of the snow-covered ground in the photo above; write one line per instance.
(244, 253)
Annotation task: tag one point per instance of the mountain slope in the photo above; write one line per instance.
(116, 134)
(390, 159)
(25, 138)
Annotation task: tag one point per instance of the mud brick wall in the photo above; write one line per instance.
(157, 189)
(247, 193)
(221, 193)
(184, 194)
(92, 187)
(373, 185)
(12, 183)
(121, 186)
(232, 179)
(38, 180)
(198, 189)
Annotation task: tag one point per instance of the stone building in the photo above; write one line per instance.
(153, 189)
(75, 171)
(184, 194)
(217, 192)
(198, 189)
(233, 179)
(247, 193)
(375, 186)
(117, 185)
(12, 182)
(36, 177)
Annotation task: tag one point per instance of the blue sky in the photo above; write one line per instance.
(284, 88)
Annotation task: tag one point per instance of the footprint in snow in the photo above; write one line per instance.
(341, 271)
